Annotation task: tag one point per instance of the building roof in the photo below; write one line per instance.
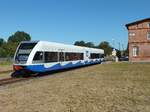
(136, 22)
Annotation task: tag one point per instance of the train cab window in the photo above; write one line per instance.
(23, 52)
(51, 57)
(27, 45)
(23, 57)
(38, 58)
(73, 56)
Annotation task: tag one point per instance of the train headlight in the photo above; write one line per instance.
(15, 67)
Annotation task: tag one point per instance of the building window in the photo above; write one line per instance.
(140, 25)
(135, 51)
(148, 25)
(131, 34)
(148, 35)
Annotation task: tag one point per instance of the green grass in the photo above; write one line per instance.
(5, 66)
(114, 87)
(5, 63)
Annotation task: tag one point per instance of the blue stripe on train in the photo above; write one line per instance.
(41, 68)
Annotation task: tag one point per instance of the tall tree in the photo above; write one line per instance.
(1, 41)
(8, 49)
(19, 36)
(79, 43)
(127, 50)
(107, 48)
(85, 44)
(90, 44)
(118, 53)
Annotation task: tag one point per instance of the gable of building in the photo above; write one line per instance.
(139, 23)
(139, 31)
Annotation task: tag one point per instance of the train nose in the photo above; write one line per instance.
(16, 67)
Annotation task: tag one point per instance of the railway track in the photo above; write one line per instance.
(10, 80)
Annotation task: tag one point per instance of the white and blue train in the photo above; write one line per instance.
(42, 56)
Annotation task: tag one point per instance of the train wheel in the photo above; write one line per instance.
(18, 74)
(15, 74)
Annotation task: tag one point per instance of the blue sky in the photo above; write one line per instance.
(66, 21)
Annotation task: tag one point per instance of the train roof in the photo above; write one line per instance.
(68, 46)
(61, 45)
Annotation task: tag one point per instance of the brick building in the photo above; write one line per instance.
(139, 40)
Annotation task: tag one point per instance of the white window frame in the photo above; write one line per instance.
(148, 35)
(148, 24)
(131, 34)
(135, 51)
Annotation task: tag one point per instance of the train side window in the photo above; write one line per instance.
(51, 57)
(81, 56)
(73, 56)
(94, 55)
(38, 58)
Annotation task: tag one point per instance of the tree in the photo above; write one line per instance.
(19, 36)
(79, 43)
(118, 53)
(8, 49)
(106, 47)
(14, 40)
(1, 41)
(85, 44)
(127, 50)
(90, 44)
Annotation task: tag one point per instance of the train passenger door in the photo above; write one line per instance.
(87, 55)
(61, 55)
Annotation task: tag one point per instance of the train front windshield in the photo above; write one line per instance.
(23, 52)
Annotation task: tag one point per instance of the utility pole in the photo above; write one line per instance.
(119, 45)
(123, 49)
(113, 42)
